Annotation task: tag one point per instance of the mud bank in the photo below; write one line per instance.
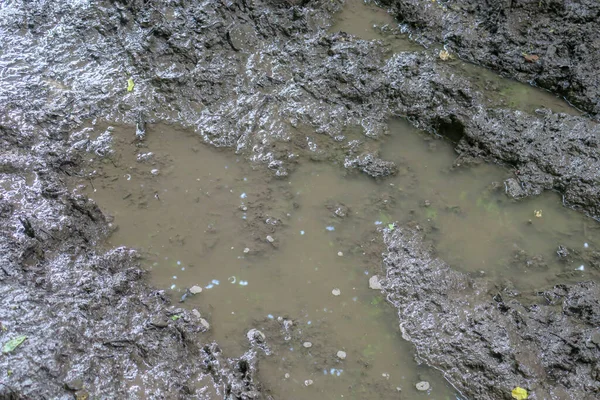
(236, 72)
(489, 339)
(551, 44)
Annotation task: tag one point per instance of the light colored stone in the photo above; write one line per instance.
(246, 250)
(423, 386)
(204, 323)
(270, 239)
(336, 292)
(196, 313)
(341, 355)
(374, 283)
(195, 289)
(287, 376)
(307, 345)
(340, 253)
(308, 382)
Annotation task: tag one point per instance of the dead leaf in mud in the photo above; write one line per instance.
(130, 84)
(537, 213)
(519, 393)
(531, 57)
(13, 343)
(444, 55)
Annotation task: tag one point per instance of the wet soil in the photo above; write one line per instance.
(551, 44)
(237, 74)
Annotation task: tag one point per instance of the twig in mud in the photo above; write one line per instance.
(29, 231)
(92, 184)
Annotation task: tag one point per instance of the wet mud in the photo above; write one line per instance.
(255, 76)
(550, 44)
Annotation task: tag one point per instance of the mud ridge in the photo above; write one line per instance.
(551, 44)
(489, 339)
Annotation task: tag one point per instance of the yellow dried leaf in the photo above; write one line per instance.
(519, 393)
(537, 213)
(130, 84)
(444, 55)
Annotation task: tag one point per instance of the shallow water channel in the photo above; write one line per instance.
(292, 257)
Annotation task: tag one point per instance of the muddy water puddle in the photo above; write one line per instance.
(475, 226)
(291, 258)
(367, 21)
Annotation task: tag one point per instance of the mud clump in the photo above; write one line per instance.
(553, 44)
(488, 340)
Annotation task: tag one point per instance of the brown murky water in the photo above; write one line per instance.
(292, 257)
(203, 217)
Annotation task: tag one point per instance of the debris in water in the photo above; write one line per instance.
(209, 286)
(581, 268)
(585, 245)
(336, 292)
(519, 393)
(216, 282)
(308, 382)
(302, 232)
(391, 227)
(130, 84)
(444, 55)
(286, 376)
(270, 239)
(195, 289)
(243, 196)
(307, 345)
(423, 386)
(204, 323)
(330, 228)
(270, 316)
(232, 279)
(341, 355)
(378, 222)
(173, 287)
(154, 172)
(386, 375)
(246, 250)
(537, 213)
(13, 343)
(340, 253)
(243, 283)
(254, 335)
(374, 283)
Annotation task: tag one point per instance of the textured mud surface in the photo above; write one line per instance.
(246, 75)
(552, 44)
(489, 338)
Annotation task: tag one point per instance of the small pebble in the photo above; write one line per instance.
(340, 253)
(307, 345)
(270, 239)
(196, 313)
(341, 355)
(287, 376)
(246, 250)
(423, 386)
(308, 382)
(374, 283)
(586, 245)
(153, 172)
(336, 292)
(195, 289)
(204, 323)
